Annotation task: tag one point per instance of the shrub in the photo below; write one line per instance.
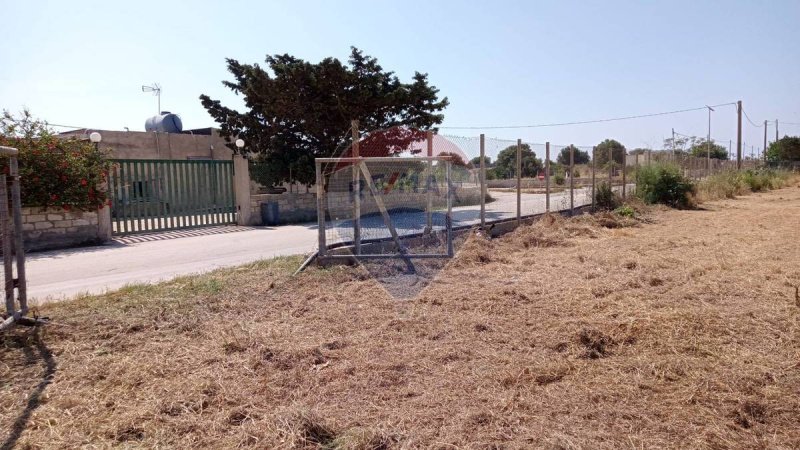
(625, 211)
(604, 197)
(731, 183)
(559, 179)
(664, 183)
(66, 173)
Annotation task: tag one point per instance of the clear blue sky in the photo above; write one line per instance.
(500, 63)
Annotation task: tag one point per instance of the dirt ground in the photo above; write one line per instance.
(679, 332)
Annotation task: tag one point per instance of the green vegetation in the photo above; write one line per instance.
(559, 178)
(731, 183)
(506, 163)
(579, 156)
(605, 198)
(784, 149)
(617, 152)
(701, 149)
(279, 123)
(664, 183)
(476, 161)
(625, 211)
(66, 173)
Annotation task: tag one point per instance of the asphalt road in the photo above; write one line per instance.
(149, 258)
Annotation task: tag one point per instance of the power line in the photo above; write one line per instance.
(587, 121)
(751, 122)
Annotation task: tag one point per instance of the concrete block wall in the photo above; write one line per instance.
(54, 228)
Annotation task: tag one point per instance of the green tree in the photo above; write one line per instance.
(506, 163)
(67, 173)
(476, 161)
(617, 152)
(298, 110)
(579, 156)
(784, 149)
(701, 149)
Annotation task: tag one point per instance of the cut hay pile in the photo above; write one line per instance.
(565, 334)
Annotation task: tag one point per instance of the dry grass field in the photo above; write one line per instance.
(682, 331)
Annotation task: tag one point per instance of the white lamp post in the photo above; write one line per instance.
(239, 144)
(95, 138)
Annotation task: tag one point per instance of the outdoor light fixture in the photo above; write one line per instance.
(95, 137)
(239, 144)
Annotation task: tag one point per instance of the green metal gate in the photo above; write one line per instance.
(156, 194)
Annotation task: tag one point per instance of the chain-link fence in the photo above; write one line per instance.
(399, 185)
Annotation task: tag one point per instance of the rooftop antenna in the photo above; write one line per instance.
(155, 88)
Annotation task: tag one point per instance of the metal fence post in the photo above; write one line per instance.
(624, 177)
(547, 175)
(356, 189)
(571, 180)
(449, 218)
(5, 223)
(19, 244)
(321, 210)
(483, 182)
(429, 209)
(594, 160)
(610, 168)
(519, 181)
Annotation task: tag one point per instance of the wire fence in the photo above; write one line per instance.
(415, 184)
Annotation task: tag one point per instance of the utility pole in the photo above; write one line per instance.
(765, 141)
(777, 138)
(739, 135)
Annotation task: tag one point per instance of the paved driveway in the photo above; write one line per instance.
(148, 258)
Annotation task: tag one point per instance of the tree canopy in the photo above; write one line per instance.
(784, 149)
(506, 162)
(701, 149)
(579, 156)
(298, 110)
(476, 161)
(617, 152)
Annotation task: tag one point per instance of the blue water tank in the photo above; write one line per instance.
(166, 122)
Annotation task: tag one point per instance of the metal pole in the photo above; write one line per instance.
(624, 177)
(765, 141)
(610, 167)
(571, 180)
(483, 181)
(594, 158)
(429, 188)
(708, 143)
(519, 181)
(777, 138)
(739, 135)
(320, 211)
(19, 238)
(449, 218)
(547, 176)
(356, 188)
(8, 257)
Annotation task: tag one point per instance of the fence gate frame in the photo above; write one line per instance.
(149, 195)
(360, 169)
(12, 240)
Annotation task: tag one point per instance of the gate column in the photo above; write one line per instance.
(241, 188)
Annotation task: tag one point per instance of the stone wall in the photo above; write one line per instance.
(54, 228)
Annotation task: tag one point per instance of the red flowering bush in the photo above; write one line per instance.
(68, 173)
